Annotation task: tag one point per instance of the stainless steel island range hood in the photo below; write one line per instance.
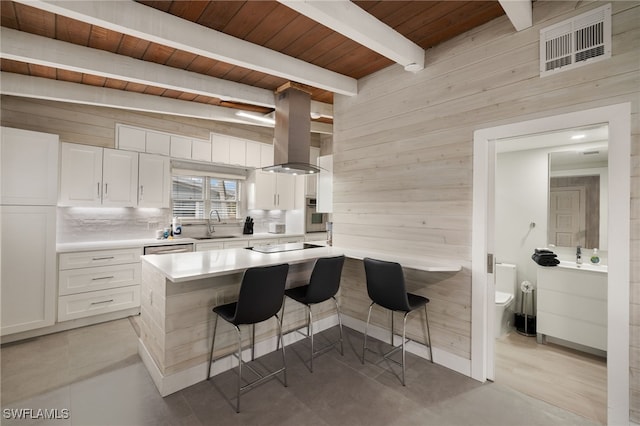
(292, 135)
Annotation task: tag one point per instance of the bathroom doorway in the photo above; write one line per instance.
(547, 191)
(483, 247)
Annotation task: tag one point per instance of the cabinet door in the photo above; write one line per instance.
(209, 246)
(158, 143)
(154, 181)
(28, 167)
(131, 139)
(266, 155)
(253, 154)
(119, 178)
(264, 191)
(80, 175)
(219, 149)
(285, 191)
(28, 273)
(237, 152)
(180, 147)
(201, 150)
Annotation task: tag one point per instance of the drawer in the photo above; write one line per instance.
(236, 244)
(72, 281)
(97, 302)
(209, 246)
(86, 259)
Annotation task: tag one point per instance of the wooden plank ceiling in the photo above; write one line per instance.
(265, 23)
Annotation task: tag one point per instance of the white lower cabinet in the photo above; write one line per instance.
(209, 246)
(236, 244)
(98, 282)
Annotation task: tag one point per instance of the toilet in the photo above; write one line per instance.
(505, 297)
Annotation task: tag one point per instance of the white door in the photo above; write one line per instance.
(80, 175)
(27, 267)
(154, 180)
(567, 216)
(120, 178)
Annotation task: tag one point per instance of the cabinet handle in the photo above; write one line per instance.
(103, 258)
(141, 192)
(278, 199)
(274, 200)
(104, 301)
(102, 278)
(106, 189)
(98, 189)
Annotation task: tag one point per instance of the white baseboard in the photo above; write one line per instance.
(446, 359)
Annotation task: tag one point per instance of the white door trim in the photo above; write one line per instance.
(619, 119)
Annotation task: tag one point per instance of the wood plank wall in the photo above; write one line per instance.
(92, 125)
(403, 150)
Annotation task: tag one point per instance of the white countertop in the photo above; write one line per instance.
(117, 244)
(583, 266)
(182, 267)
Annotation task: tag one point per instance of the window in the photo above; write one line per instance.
(195, 196)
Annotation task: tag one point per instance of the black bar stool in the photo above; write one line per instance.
(261, 296)
(386, 288)
(323, 285)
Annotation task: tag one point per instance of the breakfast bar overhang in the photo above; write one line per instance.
(179, 291)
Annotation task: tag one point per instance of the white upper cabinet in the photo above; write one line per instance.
(131, 138)
(158, 143)
(28, 167)
(180, 147)
(94, 176)
(220, 149)
(201, 150)
(80, 175)
(154, 181)
(266, 155)
(271, 191)
(119, 178)
(253, 154)
(237, 152)
(311, 181)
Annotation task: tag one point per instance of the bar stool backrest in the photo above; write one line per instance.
(261, 294)
(385, 284)
(325, 279)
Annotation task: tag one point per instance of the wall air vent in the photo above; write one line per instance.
(578, 41)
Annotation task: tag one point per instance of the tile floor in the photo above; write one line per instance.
(96, 374)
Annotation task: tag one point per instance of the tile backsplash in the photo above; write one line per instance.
(80, 224)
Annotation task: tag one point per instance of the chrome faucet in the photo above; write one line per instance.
(578, 255)
(211, 228)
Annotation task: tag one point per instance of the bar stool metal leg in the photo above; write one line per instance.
(215, 325)
(339, 325)
(253, 342)
(426, 318)
(284, 361)
(366, 326)
(239, 367)
(281, 335)
(310, 334)
(404, 330)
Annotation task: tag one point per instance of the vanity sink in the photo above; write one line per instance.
(583, 266)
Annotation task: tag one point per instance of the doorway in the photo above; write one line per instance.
(483, 245)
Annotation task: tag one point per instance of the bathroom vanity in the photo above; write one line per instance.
(572, 304)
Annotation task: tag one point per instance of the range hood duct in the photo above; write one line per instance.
(292, 135)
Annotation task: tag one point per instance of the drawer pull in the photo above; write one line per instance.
(102, 278)
(103, 258)
(104, 301)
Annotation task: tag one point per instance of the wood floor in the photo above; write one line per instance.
(566, 378)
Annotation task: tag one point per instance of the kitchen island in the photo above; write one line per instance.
(179, 290)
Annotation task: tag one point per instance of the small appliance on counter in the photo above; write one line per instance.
(248, 226)
(277, 228)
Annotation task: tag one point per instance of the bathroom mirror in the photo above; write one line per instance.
(577, 197)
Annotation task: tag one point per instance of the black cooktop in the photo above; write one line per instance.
(279, 248)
